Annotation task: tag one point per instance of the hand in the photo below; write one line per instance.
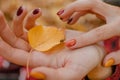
(110, 14)
(57, 64)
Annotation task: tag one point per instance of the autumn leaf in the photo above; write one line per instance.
(44, 38)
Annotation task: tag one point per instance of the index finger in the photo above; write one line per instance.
(101, 33)
(20, 57)
(7, 35)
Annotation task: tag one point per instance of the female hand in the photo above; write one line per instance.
(58, 64)
(111, 14)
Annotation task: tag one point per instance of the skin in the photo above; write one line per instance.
(109, 13)
(58, 64)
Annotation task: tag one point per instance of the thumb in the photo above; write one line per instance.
(47, 73)
(112, 58)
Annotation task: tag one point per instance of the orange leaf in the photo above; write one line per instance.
(45, 38)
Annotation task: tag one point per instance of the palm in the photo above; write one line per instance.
(65, 60)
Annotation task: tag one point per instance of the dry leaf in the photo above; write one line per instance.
(45, 38)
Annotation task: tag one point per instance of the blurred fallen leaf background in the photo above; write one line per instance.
(49, 10)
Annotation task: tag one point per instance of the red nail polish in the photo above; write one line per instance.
(71, 43)
(70, 20)
(60, 12)
(36, 11)
(19, 11)
(61, 18)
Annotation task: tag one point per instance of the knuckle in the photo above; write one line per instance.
(99, 33)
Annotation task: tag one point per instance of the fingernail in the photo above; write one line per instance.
(61, 18)
(60, 12)
(36, 11)
(37, 75)
(71, 43)
(110, 62)
(70, 20)
(19, 11)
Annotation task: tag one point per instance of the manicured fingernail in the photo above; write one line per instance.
(110, 62)
(19, 11)
(61, 18)
(60, 12)
(37, 75)
(70, 20)
(71, 43)
(36, 11)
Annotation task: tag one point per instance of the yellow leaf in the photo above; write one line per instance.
(45, 38)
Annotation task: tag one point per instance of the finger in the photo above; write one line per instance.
(9, 36)
(30, 21)
(18, 21)
(31, 18)
(74, 18)
(101, 33)
(72, 70)
(112, 58)
(48, 73)
(64, 17)
(67, 12)
(20, 57)
(77, 6)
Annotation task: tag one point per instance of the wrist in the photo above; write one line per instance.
(105, 10)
